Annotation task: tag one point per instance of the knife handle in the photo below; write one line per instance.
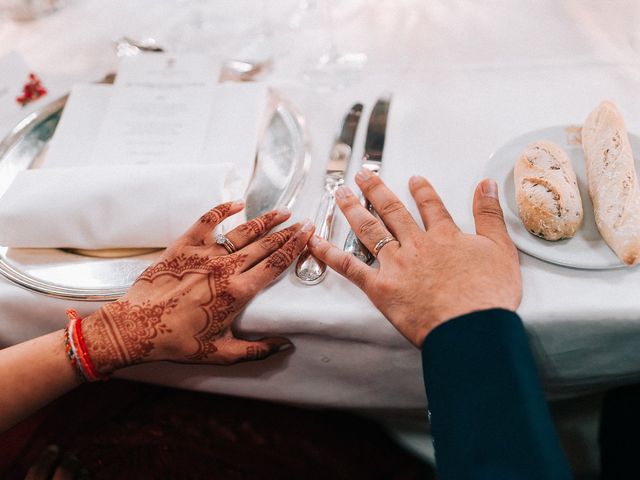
(353, 245)
(309, 269)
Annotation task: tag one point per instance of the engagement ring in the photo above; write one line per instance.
(221, 239)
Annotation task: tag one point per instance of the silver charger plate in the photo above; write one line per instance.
(282, 162)
(587, 249)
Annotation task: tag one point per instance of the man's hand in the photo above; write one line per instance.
(427, 277)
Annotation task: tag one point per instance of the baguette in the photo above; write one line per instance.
(547, 192)
(613, 183)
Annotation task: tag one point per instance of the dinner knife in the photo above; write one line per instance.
(372, 160)
(309, 269)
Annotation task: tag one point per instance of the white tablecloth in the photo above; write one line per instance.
(466, 78)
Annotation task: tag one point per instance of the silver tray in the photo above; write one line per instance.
(282, 161)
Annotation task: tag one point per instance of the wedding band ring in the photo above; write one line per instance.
(382, 243)
(221, 239)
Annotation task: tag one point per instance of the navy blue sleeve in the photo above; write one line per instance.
(489, 415)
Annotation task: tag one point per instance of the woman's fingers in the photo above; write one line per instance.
(249, 232)
(432, 210)
(368, 228)
(342, 262)
(392, 211)
(245, 351)
(271, 267)
(257, 251)
(202, 229)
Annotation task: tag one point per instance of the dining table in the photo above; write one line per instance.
(465, 78)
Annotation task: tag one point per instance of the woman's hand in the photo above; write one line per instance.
(181, 309)
(427, 277)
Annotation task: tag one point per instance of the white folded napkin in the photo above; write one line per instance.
(100, 187)
(112, 207)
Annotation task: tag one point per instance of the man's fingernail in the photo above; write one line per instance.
(285, 346)
(315, 241)
(307, 225)
(363, 174)
(414, 180)
(490, 188)
(238, 203)
(283, 211)
(344, 192)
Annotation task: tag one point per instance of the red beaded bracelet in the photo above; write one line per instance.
(77, 350)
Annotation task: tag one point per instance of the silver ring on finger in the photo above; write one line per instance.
(382, 243)
(221, 239)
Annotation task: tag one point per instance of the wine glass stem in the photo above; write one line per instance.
(332, 49)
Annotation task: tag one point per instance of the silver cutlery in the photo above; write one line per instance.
(244, 71)
(127, 46)
(232, 70)
(372, 160)
(309, 269)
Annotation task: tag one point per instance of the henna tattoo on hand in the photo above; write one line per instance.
(278, 239)
(255, 352)
(280, 260)
(219, 307)
(126, 332)
(257, 226)
(123, 333)
(216, 215)
(178, 267)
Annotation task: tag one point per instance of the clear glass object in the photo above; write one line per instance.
(227, 28)
(330, 68)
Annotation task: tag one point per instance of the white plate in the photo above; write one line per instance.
(587, 249)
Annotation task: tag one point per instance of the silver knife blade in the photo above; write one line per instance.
(372, 160)
(309, 269)
(376, 131)
(343, 144)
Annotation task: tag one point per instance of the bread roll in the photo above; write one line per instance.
(547, 191)
(613, 184)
